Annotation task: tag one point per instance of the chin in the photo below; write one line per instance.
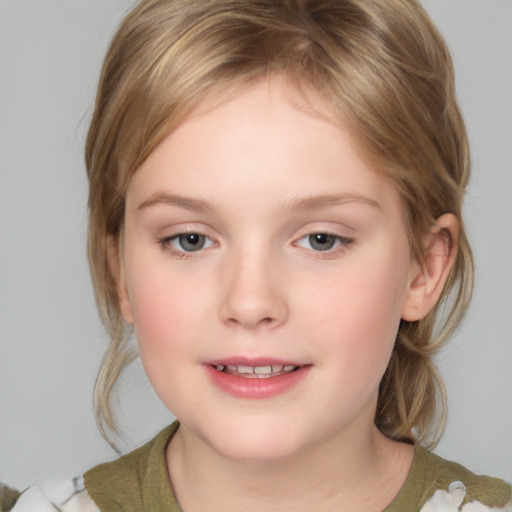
(256, 453)
(258, 444)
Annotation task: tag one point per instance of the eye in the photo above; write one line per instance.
(322, 242)
(188, 242)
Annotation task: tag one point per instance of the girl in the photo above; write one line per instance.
(275, 211)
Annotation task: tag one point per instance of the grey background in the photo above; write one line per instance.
(50, 339)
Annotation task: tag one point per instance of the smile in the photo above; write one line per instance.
(255, 379)
(256, 372)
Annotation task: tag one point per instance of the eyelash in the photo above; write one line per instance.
(342, 243)
(166, 244)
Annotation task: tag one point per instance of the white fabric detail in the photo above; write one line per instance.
(450, 501)
(56, 493)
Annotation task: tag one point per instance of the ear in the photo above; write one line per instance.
(427, 278)
(116, 267)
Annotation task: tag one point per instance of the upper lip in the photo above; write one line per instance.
(252, 361)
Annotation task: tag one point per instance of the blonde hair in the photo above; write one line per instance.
(384, 69)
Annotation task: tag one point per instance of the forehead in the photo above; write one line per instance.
(265, 140)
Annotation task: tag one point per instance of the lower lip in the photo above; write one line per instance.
(256, 389)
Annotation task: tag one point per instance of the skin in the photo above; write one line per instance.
(256, 175)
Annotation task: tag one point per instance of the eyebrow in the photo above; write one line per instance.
(188, 203)
(296, 204)
(317, 202)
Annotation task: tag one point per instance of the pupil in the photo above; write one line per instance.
(192, 241)
(322, 241)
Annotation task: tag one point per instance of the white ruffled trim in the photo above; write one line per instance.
(56, 493)
(450, 501)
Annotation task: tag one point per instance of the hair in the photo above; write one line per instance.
(386, 72)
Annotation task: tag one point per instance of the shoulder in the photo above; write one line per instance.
(131, 483)
(134, 480)
(453, 487)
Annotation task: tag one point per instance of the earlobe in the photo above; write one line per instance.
(116, 268)
(427, 278)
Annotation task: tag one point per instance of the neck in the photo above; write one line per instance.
(363, 471)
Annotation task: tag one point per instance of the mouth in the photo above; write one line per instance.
(256, 372)
(256, 378)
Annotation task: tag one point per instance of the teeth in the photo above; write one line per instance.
(261, 369)
(261, 372)
(245, 369)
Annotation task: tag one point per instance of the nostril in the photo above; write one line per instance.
(231, 321)
(262, 322)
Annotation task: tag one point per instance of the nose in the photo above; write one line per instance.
(253, 293)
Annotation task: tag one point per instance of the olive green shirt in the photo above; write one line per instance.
(139, 481)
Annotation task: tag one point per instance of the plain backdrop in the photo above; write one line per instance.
(50, 339)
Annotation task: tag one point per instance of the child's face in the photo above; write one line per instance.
(256, 235)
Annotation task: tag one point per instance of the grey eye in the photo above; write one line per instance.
(189, 242)
(322, 241)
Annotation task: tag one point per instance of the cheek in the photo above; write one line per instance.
(359, 316)
(172, 310)
(160, 308)
(163, 324)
